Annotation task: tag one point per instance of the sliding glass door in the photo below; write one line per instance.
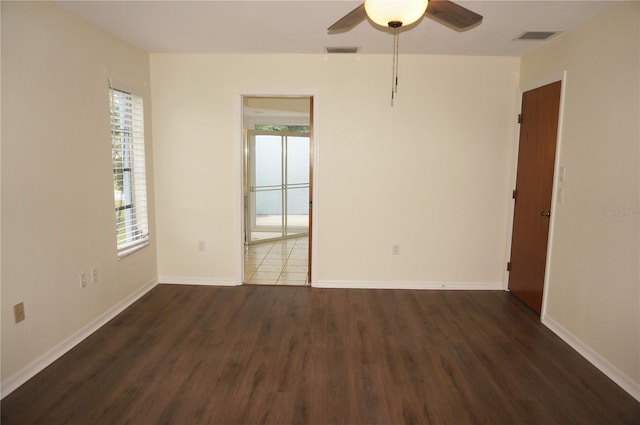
(277, 185)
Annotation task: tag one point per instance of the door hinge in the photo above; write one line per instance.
(509, 266)
(519, 118)
(514, 194)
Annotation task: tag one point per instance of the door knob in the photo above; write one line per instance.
(546, 213)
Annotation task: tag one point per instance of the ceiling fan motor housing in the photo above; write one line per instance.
(395, 13)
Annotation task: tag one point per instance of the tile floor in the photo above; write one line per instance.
(277, 263)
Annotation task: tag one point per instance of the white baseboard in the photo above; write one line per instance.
(615, 374)
(29, 371)
(186, 280)
(467, 286)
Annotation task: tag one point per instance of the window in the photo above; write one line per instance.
(292, 128)
(129, 180)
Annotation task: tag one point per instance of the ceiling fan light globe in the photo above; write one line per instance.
(382, 12)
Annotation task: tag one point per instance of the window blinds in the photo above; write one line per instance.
(129, 177)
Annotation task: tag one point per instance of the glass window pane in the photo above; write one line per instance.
(298, 207)
(297, 160)
(268, 208)
(268, 158)
(129, 181)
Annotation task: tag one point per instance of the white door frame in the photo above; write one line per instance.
(239, 155)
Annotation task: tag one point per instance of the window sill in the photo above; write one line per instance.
(125, 252)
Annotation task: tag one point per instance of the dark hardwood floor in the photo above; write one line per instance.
(187, 355)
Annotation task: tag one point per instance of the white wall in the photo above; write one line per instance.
(432, 174)
(594, 282)
(57, 192)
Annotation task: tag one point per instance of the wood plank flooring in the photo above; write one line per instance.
(293, 355)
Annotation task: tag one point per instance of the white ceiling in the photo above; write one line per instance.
(299, 26)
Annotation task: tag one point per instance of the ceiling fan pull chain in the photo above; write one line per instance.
(394, 76)
(393, 69)
(397, 54)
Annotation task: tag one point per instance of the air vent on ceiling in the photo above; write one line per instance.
(342, 49)
(536, 35)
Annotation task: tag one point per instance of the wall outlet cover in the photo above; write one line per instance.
(18, 312)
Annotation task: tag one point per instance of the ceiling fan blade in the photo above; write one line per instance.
(452, 14)
(349, 20)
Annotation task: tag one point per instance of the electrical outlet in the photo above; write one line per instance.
(562, 173)
(94, 275)
(202, 246)
(395, 249)
(83, 280)
(18, 312)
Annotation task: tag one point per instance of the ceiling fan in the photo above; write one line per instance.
(397, 13)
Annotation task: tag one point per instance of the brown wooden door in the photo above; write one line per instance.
(534, 184)
(311, 159)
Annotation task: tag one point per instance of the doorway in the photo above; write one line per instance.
(533, 194)
(277, 189)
